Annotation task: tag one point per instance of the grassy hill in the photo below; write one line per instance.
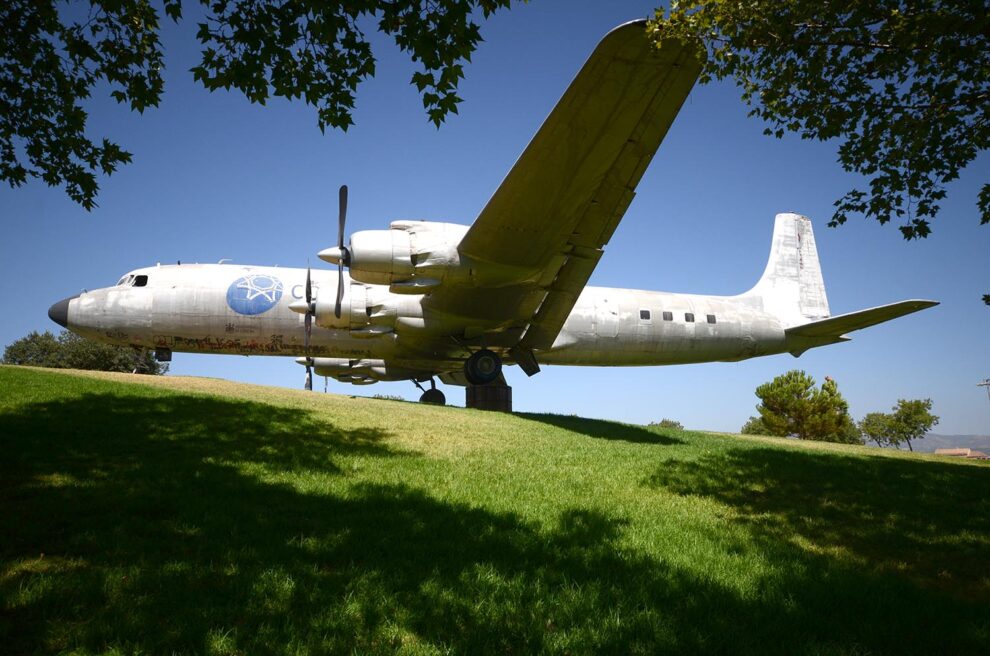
(174, 515)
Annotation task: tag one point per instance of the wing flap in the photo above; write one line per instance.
(560, 299)
(847, 323)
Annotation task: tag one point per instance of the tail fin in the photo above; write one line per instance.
(792, 288)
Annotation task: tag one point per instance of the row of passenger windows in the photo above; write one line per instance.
(669, 316)
(133, 281)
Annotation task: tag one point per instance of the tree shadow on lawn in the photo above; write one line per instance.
(606, 430)
(156, 540)
(924, 522)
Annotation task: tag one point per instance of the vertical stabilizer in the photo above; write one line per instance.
(792, 288)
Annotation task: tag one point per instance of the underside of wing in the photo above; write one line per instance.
(540, 236)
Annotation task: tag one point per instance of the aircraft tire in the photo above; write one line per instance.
(433, 397)
(483, 367)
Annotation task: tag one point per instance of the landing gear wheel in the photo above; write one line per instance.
(433, 397)
(483, 367)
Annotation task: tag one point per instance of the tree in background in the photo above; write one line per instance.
(902, 86)
(875, 426)
(668, 423)
(35, 350)
(56, 54)
(754, 426)
(910, 421)
(70, 351)
(791, 405)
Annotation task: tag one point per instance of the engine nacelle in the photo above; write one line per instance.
(361, 372)
(353, 309)
(411, 256)
(364, 310)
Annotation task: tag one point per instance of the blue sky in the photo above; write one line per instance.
(215, 177)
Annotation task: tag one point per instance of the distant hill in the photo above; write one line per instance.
(934, 441)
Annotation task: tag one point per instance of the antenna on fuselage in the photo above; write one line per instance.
(224, 259)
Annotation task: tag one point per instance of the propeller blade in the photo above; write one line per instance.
(309, 331)
(308, 321)
(342, 217)
(340, 290)
(309, 379)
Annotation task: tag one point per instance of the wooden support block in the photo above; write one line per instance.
(495, 397)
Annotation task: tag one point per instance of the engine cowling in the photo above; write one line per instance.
(361, 372)
(353, 309)
(411, 256)
(366, 311)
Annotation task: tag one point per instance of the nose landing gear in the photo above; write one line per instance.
(432, 396)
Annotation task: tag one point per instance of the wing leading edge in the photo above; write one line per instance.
(562, 200)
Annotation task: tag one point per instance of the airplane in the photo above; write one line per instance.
(426, 300)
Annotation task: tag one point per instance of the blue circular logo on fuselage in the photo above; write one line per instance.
(254, 294)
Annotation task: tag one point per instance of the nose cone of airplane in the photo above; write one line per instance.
(59, 313)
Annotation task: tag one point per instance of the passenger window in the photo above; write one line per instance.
(644, 315)
(140, 281)
(668, 316)
(689, 316)
(711, 318)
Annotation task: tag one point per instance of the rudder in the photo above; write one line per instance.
(792, 287)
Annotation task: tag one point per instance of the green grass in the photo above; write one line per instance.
(197, 516)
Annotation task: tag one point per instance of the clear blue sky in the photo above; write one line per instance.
(215, 177)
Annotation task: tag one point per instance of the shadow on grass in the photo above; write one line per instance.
(159, 537)
(605, 430)
(925, 521)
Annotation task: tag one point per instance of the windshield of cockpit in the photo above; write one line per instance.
(131, 280)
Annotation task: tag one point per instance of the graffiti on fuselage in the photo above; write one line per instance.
(275, 344)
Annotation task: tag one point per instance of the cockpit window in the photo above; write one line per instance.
(122, 281)
(140, 281)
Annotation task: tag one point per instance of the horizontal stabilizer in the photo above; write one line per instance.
(846, 323)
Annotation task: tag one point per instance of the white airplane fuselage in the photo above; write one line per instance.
(185, 308)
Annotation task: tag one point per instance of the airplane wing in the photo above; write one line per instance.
(548, 221)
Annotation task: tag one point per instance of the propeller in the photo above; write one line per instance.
(345, 255)
(342, 257)
(308, 321)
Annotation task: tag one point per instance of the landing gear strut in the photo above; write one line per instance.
(433, 396)
(483, 367)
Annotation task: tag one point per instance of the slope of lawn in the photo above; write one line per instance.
(175, 515)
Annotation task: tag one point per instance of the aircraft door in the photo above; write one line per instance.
(606, 319)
